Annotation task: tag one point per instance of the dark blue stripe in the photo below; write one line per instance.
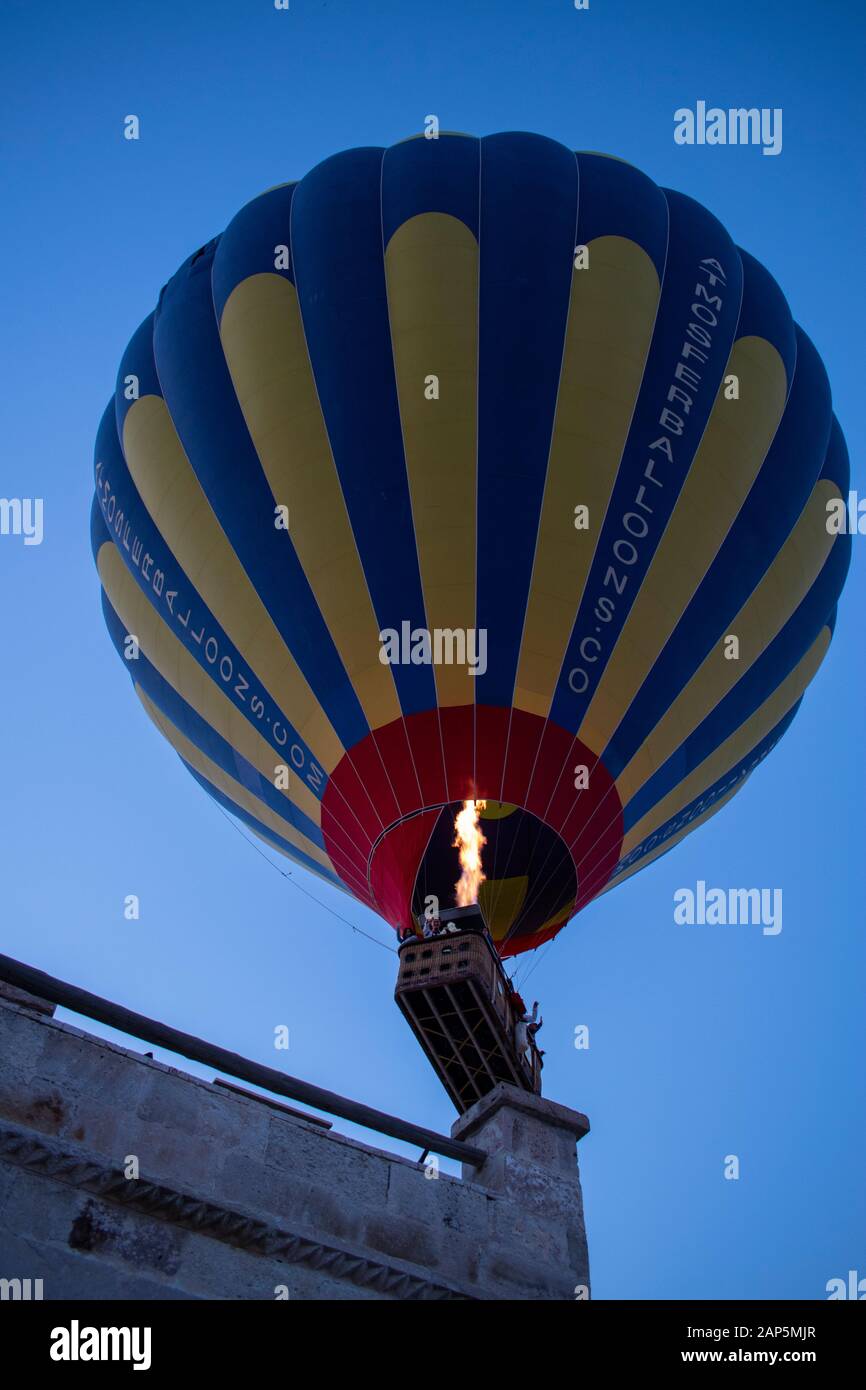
(430, 176)
(248, 244)
(136, 375)
(764, 523)
(340, 275)
(765, 313)
(618, 200)
(756, 686)
(648, 478)
(528, 228)
(708, 798)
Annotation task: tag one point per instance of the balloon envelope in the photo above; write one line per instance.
(471, 469)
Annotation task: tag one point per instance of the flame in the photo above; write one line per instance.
(470, 841)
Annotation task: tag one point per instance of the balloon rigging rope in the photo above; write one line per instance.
(521, 984)
(284, 873)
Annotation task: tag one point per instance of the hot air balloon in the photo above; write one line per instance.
(471, 472)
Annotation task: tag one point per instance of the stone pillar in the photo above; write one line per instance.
(539, 1246)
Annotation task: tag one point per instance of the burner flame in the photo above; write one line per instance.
(469, 840)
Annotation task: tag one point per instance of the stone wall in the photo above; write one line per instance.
(239, 1198)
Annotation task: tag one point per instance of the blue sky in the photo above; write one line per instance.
(705, 1041)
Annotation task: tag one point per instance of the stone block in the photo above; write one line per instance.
(308, 1153)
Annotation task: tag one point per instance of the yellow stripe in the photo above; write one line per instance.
(675, 839)
(431, 266)
(730, 455)
(263, 340)
(172, 494)
(229, 786)
(497, 810)
(735, 748)
(777, 596)
(500, 900)
(179, 668)
(610, 321)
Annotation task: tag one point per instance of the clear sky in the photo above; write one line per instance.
(705, 1041)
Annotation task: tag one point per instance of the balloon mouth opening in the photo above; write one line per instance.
(500, 859)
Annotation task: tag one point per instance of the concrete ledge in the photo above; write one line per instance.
(235, 1198)
(550, 1112)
